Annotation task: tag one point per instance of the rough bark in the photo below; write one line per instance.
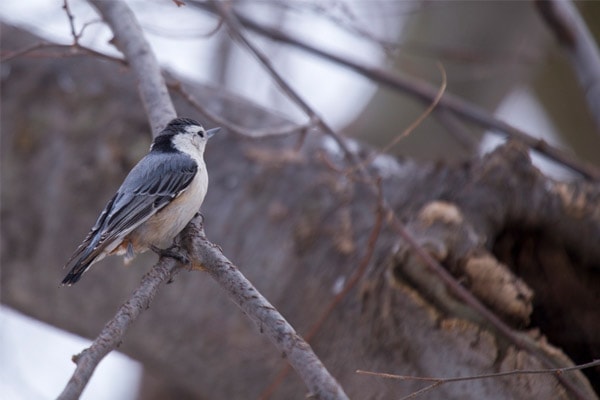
(72, 128)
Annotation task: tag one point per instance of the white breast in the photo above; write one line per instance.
(161, 228)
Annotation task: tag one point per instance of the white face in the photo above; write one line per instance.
(194, 129)
(191, 142)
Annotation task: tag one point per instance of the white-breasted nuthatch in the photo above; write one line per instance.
(157, 199)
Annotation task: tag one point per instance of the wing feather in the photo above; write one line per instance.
(152, 184)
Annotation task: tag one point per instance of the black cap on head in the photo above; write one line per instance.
(162, 142)
(177, 123)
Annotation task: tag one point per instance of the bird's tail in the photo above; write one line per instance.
(75, 273)
(87, 254)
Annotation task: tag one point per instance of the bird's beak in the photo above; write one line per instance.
(211, 132)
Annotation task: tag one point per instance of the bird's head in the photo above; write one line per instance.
(185, 135)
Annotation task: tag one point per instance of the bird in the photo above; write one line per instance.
(157, 199)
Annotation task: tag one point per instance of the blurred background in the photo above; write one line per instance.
(498, 55)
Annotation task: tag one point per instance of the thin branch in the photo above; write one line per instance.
(209, 257)
(286, 130)
(421, 90)
(144, 65)
(71, 18)
(113, 332)
(455, 127)
(29, 49)
(418, 121)
(570, 30)
(430, 108)
(439, 381)
(70, 51)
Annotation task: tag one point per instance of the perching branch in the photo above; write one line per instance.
(160, 109)
(208, 256)
(572, 33)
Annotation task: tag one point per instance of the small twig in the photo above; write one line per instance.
(418, 121)
(87, 25)
(439, 381)
(424, 114)
(455, 127)
(71, 18)
(563, 18)
(290, 129)
(70, 51)
(29, 49)
(113, 332)
(76, 36)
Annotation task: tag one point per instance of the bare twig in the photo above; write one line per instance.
(424, 114)
(572, 33)
(421, 90)
(144, 65)
(418, 121)
(7, 56)
(112, 333)
(76, 35)
(455, 127)
(69, 51)
(439, 381)
(71, 22)
(289, 129)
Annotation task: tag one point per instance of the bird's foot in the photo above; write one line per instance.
(201, 216)
(174, 252)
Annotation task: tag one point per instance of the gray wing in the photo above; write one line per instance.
(152, 184)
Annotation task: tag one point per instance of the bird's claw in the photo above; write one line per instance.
(174, 252)
(201, 216)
